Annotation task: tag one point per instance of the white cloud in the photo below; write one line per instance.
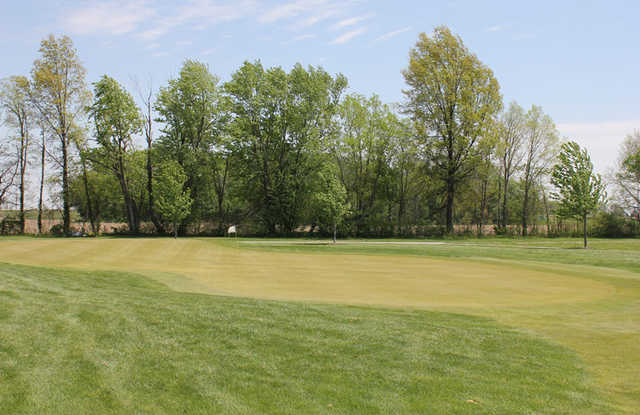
(207, 52)
(112, 17)
(348, 36)
(351, 21)
(495, 28)
(204, 12)
(184, 43)
(389, 35)
(601, 139)
(292, 9)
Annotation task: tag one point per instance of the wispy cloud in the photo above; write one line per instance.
(348, 36)
(184, 43)
(389, 35)
(115, 17)
(307, 12)
(496, 28)
(205, 12)
(299, 39)
(351, 21)
(207, 52)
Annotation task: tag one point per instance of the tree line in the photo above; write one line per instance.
(274, 150)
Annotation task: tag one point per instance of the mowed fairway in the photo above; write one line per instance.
(555, 294)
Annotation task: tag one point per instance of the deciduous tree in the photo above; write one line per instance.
(579, 190)
(454, 100)
(59, 93)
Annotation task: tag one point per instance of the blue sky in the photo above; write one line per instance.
(579, 60)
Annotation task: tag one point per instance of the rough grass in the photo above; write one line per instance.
(81, 342)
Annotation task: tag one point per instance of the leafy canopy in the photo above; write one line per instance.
(580, 191)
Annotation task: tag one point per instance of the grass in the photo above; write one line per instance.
(586, 301)
(105, 342)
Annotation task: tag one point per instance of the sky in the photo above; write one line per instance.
(578, 60)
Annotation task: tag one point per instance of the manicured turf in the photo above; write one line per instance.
(586, 301)
(74, 342)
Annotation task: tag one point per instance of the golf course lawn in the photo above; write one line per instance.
(317, 328)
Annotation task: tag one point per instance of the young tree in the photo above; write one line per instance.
(18, 115)
(173, 200)
(540, 145)
(329, 201)
(60, 95)
(580, 191)
(454, 99)
(116, 119)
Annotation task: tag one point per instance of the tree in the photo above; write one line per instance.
(281, 123)
(540, 145)
(509, 152)
(60, 95)
(191, 109)
(454, 100)
(116, 119)
(19, 116)
(363, 150)
(173, 200)
(329, 201)
(580, 191)
(627, 174)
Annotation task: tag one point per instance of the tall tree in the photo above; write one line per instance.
(117, 120)
(59, 93)
(510, 152)
(363, 152)
(454, 99)
(281, 122)
(147, 98)
(540, 145)
(18, 115)
(190, 108)
(579, 190)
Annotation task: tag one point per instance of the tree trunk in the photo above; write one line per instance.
(66, 200)
(85, 179)
(505, 213)
(525, 211)
(42, 168)
(132, 221)
(335, 231)
(584, 229)
(175, 229)
(23, 165)
(450, 196)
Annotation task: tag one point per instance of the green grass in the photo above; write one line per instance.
(106, 342)
(587, 301)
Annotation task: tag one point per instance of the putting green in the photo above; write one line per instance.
(196, 265)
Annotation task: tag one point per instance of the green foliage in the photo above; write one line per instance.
(329, 200)
(281, 122)
(194, 120)
(172, 199)
(580, 191)
(454, 99)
